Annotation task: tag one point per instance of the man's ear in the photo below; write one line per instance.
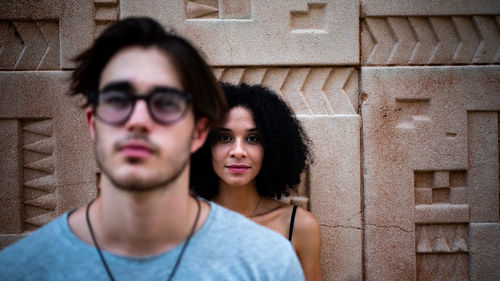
(200, 134)
(89, 114)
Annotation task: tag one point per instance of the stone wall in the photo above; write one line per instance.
(401, 100)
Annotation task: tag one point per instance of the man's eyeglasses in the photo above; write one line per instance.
(115, 103)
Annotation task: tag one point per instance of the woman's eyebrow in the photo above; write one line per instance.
(222, 129)
(253, 130)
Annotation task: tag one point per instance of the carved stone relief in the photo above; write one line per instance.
(443, 144)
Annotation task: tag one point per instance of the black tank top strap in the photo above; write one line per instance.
(292, 220)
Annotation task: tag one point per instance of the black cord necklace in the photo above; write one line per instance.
(179, 258)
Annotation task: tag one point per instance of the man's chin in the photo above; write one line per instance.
(137, 183)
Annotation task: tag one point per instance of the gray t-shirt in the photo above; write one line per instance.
(227, 247)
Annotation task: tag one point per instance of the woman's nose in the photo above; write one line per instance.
(238, 150)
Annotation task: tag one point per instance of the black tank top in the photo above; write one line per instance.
(292, 220)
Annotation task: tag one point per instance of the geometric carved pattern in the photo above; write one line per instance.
(28, 45)
(312, 20)
(445, 267)
(433, 187)
(430, 40)
(441, 238)
(214, 9)
(308, 90)
(39, 172)
(106, 13)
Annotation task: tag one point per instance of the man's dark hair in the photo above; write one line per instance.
(195, 75)
(286, 145)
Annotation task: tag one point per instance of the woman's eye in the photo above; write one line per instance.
(223, 138)
(253, 139)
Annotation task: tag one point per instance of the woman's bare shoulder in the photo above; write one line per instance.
(305, 224)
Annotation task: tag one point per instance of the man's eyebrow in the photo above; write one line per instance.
(223, 129)
(120, 85)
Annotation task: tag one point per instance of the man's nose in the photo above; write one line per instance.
(140, 119)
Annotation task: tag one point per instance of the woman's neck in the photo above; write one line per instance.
(242, 199)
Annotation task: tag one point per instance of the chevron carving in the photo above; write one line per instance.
(430, 40)
(309, 91)
(30, 45)
(40, 182)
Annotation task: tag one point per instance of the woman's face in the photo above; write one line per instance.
(237, 151)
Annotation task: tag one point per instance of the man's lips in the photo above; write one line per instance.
(237, 168)
(136, 150)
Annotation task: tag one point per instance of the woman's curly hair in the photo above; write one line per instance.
(286, 145)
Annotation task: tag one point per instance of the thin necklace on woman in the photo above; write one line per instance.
(179, 258)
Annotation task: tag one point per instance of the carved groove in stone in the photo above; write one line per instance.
(39, 172)
(311, 20)
(106, 13)
(317, 90)
(429, 40)
(29, 45)
(443, 266)
(202, 9)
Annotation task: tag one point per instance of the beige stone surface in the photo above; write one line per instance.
(483, 165)
(334, 180)
(425, 130)
(11, 172)
(485, 251)
(429, 7)
(346, 261)
(49, 141)
(335, 174)
(262, 32)
(389, 253)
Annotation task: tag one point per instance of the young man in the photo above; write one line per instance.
(151, 101)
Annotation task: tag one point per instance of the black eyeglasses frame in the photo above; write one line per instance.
(94, 101)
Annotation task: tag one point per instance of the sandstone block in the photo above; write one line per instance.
(485, 251)
(341, 256)
(425, 130)
(11, 171)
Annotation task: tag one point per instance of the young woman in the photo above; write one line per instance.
(254, 159)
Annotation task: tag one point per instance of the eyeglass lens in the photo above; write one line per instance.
(164, 104)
